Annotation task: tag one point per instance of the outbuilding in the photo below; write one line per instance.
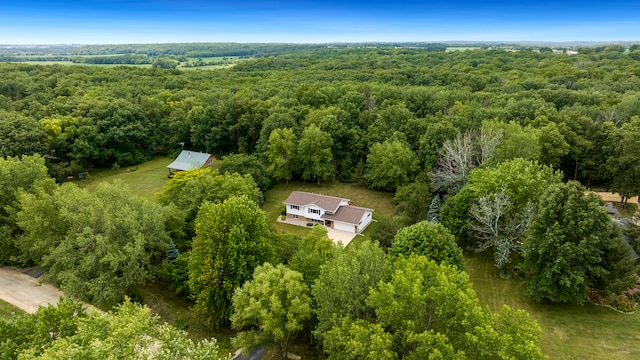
(188, 160)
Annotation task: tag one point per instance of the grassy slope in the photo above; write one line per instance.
(145, 180)
(7, 309)
(568, 331)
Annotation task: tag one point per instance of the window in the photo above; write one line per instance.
(295, 216)
(368, 215)
(294, 207)
(314, 211)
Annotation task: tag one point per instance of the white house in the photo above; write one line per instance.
(333, 212)
(188, 160)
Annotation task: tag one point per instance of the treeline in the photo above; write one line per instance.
(129, 59)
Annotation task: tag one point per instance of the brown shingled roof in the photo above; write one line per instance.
(328, 203)
(347, 214)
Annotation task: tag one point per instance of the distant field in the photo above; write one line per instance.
(144, 180)
(568, 331)
(69, 63)
(462, 48)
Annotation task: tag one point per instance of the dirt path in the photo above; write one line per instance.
(24, 292)
(614, 197)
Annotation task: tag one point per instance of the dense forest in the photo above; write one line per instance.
(485, 149)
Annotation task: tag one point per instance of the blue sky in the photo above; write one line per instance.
(162, 21)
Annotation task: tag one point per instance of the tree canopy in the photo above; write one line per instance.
(568, 246)
(429, 239)
(231, 241)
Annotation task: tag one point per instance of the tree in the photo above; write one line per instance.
(282, 154)
(125, 131)
(516, 141)
(343, 286)
(428, 239)
(461, 155)
(359, 339)
(424, 310)
(36, 332)
(315, 250)
(524, 182)
(624, 163)
(433, 213)
(497, 226)
(130, 331)
(20, 135)
(96, 246)
(412, 200)
(246, 164)
(433, 139)
(275, 303)
(553, 146)
(17, 176)
(566, 246)
(314, 151)
(231, 241)
(187, 190)
(389, 165)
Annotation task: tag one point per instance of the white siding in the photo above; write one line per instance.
(366, 219)
(291, 209)
(312, 212)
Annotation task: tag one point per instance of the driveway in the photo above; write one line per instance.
(333, 234)
(24, 292)
(613, 197)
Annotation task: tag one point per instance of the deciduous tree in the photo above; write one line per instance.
(390, 164)
(567, 245)
(231, 241)
(497, 226)
(96, 246)
(271, 307)
(429, 239)
(282, 154)
(314, 152)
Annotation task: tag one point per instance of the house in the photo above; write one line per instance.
(188, 160)
(333, 212)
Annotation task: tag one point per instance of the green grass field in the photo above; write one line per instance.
(144, 180)
(7, 309)
(568, 331)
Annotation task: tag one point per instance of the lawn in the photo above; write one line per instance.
(381, 202)
(144, 180)
(568, 331)
(7, 309)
